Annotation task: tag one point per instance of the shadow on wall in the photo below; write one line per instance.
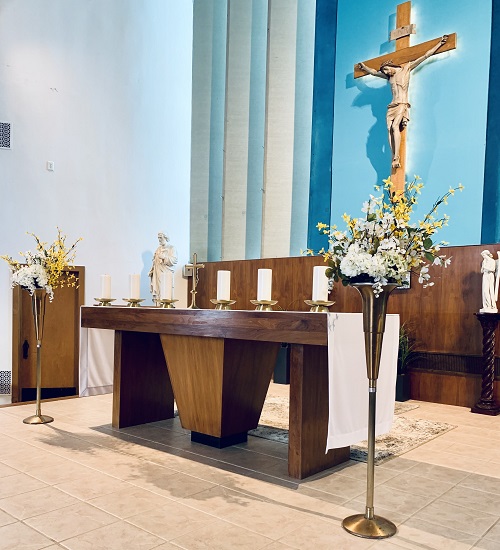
(377, 145)
(147, 261)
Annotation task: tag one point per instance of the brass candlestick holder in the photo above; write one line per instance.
(222, 304)
(319, 306)
(104, 301)
(133, 302)
(166, 304)
(264, 305)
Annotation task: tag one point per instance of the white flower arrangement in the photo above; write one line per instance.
(45, 268)
(32, 277)
(384, 247)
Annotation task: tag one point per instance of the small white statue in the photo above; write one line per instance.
(165, 257)
(490, 271)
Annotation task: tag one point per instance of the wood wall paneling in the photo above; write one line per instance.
(451, 389)
(441, 317)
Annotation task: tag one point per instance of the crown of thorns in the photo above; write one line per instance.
(388, 63)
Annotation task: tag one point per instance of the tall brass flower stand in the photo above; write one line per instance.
(368, 525)
(38, 299)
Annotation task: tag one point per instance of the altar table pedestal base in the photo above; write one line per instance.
(220, 384)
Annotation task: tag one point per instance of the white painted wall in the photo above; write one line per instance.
(103, 89)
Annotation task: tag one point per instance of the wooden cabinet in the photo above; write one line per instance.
(60, 344)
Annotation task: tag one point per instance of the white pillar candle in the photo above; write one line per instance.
(106, 286)
(166, 285)
(223, 285)
(320, 284)
(264, 283)
(135, 286)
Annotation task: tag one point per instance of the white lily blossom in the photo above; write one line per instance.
(384, 247)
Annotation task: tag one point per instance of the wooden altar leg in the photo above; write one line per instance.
(220, 385)
(487, 403)
(309, 413)
(141, 386)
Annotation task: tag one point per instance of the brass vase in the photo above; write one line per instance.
(38, 299)
(368, 525)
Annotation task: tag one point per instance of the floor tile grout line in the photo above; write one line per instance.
(212, 459)
(469, 474)
(434, 501)
(170, 468)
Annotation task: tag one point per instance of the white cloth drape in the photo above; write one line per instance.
(348, 382)
(96, 361)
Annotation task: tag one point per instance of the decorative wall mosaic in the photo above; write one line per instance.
(4, 135)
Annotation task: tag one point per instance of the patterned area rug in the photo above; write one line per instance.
(406, 433)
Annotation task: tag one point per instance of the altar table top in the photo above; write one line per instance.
(293, 327)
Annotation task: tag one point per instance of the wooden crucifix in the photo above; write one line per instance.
(396, 67)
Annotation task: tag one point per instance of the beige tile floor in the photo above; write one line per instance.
(78, 484)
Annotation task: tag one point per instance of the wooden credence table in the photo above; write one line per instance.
(218, 365)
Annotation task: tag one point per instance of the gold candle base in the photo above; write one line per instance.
(38, 419)
(133, 302)
(375, 528)
(166, 304)
(104, 301)
(319, 306)
(264, 305)
(222, 304)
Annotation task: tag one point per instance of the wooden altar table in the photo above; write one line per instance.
(218, 365)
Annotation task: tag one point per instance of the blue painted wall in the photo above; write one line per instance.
(320, 194)
(453, 136)
(490, 232)
(448, 93)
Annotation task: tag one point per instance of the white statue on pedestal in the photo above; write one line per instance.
(165, 257)
(490, 271)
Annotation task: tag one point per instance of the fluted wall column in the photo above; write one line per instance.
(236, 129)
(207, 127)
(279, 138)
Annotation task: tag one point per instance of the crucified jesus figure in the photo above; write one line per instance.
(398, 114)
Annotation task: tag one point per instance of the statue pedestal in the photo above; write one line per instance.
(487, 404)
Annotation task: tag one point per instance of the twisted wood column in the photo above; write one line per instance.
(487, 404)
